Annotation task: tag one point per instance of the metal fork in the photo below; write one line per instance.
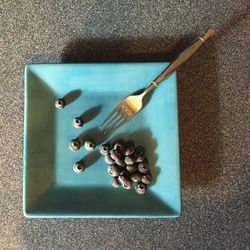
(130, 106)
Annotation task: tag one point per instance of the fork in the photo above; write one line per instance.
(131, 105)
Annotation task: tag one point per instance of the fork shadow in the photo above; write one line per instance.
(94, 134)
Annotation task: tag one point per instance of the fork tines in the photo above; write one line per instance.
(120, 115)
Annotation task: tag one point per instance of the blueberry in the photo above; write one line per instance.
(127, 183)
(60, 103)
(129, 151)
(129, 160)
(104, 149)
(89, 145)
(139, 157)
(115, 182)
(143, 167)
(140, 188)
(77, 122)
(121, 178)
(74, 144)
(131, 168)
(108, 159)
(125, 173)
(114, 154)
(146, 178)
(120, 162)
(114, 170)
(119, 146)
(78, 167)
(136, 176)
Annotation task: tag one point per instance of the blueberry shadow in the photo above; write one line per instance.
(91, 113)
(91, 158)
(72, 96)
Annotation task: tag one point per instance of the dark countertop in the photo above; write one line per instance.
(213, 115)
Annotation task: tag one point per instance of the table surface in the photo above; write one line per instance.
(213, 93)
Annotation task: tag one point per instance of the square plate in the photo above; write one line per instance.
(51, 187)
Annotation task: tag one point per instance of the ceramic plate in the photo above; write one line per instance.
(51, 187)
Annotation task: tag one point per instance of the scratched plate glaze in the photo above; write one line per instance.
(51, 187)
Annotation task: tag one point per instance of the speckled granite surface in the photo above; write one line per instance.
(213, 115)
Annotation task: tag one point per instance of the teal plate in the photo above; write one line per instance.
(51, 187)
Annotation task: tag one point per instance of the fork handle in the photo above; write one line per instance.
(184, 56)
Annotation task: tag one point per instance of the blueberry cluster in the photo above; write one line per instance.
(126, 166)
